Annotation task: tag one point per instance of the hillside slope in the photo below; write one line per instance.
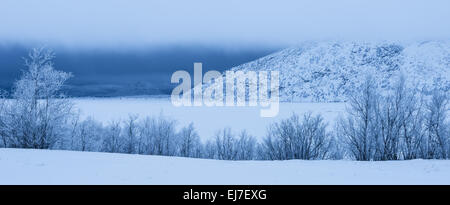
(328, 71)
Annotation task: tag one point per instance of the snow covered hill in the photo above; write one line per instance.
(327, 71)
(27, 166)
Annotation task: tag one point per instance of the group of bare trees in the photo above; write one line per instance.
(402, 124)
(151, 135)
(298, 138)
(228, 146)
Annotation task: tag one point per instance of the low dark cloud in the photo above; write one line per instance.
(130, 72)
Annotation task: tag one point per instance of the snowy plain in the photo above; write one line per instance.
(28, 166)
(206, 120)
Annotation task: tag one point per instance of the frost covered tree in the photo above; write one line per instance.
(395, 125)
(3, 131)
(438, 126)
(246, 146)
(158, 136)
(297, 138)
(147, 136)
(392, 112)
(131, 135)
(225, 145)
(168, 139)
(399, 123)
(209, 150)
(356, 128)
(38, 113)
(190, 142)
(87, 135)
(113, 139)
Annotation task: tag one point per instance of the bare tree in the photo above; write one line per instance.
(395, 126)
(438, 130)
(87, 135)
(246, 147)
(190, 142)
(357, 127)
(158, 136)
(112, 140)
(406, 105)
(3, 123)
(147, 136)
(225, 145)
(296, 138)
(131, 135)
(392, 112)
(209, 150)
(38, 113)
(168, 138)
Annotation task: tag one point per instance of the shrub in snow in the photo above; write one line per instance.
(87, 135)
(190, 145)
(113, 139)
(130, 138)
(209, 150)
(297, 138)
(246, 146)
(228, 146)
(225, 145)
(157, 136)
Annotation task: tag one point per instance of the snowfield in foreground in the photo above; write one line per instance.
(27, 166)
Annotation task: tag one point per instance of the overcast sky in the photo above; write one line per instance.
(130, 23)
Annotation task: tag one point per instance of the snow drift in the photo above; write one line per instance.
(27, 166)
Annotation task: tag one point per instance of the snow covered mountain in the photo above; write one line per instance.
(328, 71)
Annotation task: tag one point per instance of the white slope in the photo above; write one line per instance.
(21, 166)
(327, 71)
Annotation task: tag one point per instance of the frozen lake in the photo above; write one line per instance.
(207, 120)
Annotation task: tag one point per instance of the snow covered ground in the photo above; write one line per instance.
(207, 120)
(27, 166)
